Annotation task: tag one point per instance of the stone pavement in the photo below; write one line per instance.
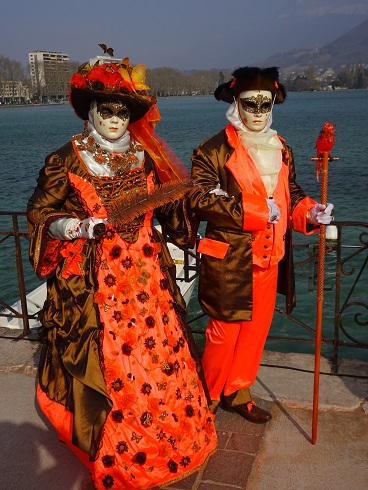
(277, 455)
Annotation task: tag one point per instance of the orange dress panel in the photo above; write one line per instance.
(159, 429)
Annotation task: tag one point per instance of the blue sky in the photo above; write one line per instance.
(185, 34)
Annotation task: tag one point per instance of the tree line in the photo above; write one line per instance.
(166, 82)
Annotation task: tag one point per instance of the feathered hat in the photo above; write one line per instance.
(109, 81)
(252, 78)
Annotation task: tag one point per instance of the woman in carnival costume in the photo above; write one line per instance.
(118, 378)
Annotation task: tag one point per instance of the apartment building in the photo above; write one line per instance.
(50, 75)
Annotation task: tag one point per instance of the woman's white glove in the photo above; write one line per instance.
(274, 211)
(87, 228)
(321, 214)
(70, 228)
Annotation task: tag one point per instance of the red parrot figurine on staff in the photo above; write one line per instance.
(324, 143)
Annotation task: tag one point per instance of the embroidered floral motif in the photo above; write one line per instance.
(117, 416)
(173, 467)
(140, 458)
(146, 419)
(110, 280)
(108, 461)
(148, 250)
(150, 343)
(150, 321)
(127, 263)
(189, 411)
(167, 368)
(161, 435)
(126, 349)
(108, 481)
(115, 252)
(110, 233)
(117, 316)
(117, 385)
(122, 447)
(165, 319)
(146, 389)
(185, 461)
(143, 297)
(73, 259)
(164, 283)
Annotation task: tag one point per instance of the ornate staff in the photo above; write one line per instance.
(324, 145)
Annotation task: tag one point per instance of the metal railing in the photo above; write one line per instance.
(347, 257)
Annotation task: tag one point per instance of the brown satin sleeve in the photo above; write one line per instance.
(52, 199)
(208, 171)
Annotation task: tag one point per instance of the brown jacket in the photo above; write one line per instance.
(236, 223)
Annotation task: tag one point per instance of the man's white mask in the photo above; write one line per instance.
(255, 108)
(111, 119)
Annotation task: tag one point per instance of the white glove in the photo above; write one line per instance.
(70, 228)
(219, 192)
(86, 228)
(274, 211)
(321, 214)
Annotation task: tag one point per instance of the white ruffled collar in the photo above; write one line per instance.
(263, 146)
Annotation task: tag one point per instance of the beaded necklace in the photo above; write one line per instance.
(119, 163)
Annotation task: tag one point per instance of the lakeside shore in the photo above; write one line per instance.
(270, 456)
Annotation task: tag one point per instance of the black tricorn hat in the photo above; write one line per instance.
(110, 82)
(252, 78)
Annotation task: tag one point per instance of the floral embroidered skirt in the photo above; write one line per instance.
(159, 429)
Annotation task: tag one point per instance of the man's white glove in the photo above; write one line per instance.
(321, 214)
(88, 228)
(274, 211)
(219, 192)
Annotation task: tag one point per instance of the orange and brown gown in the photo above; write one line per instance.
(117, 376)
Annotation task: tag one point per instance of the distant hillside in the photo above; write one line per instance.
(348, 49)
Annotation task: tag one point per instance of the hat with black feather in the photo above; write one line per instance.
(112, 82)
(252, 78)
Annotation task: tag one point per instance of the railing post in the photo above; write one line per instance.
(20, 272)
(337, 316)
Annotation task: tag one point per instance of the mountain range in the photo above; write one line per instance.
(350, 48)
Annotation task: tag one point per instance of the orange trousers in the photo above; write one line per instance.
(233, 350)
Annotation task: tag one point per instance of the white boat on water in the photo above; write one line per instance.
(36, 298)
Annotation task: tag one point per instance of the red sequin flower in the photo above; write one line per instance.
(110, 280)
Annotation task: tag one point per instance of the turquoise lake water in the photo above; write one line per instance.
(28, 134)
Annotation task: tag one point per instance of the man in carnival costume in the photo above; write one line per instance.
(118, 375)
(250, 201)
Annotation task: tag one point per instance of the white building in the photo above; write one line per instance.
(13, 92)
(50, 74)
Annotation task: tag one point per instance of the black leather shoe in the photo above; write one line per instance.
(252, 413)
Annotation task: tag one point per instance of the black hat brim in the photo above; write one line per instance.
(80, 100)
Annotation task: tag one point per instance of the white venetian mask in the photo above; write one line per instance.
(111, 119)
(255, 108)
